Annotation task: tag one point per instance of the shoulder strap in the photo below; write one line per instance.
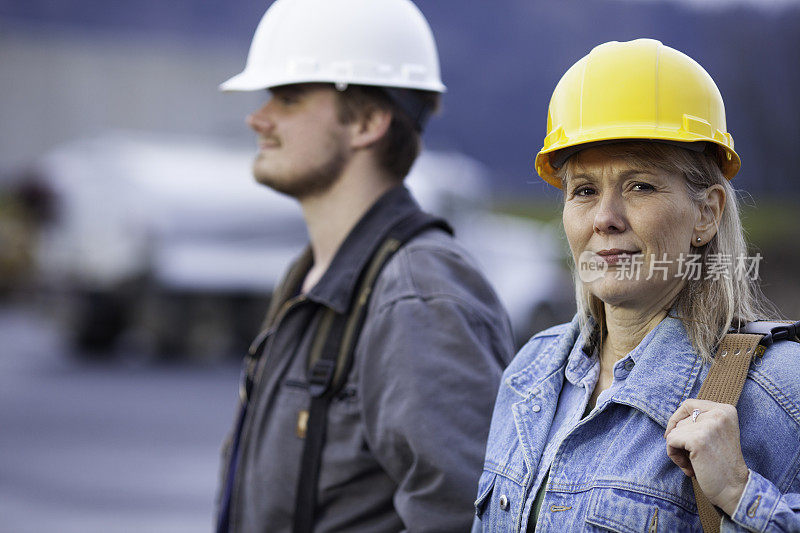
(726, 379)
(331, 359)
(288, 286)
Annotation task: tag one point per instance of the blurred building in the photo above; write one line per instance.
(76, 67)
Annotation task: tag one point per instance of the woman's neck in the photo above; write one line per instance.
(626, 328)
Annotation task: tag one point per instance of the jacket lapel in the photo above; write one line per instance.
(539, 385)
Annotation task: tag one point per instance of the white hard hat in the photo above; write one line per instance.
(385, 43)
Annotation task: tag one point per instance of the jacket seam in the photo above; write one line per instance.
(624, 485)
(552, 331)
(506, 472)
(583, 487)
(404, 256)
(462, 304)
(528, 372)
(771, 514)
(784, 484)
(776, 394)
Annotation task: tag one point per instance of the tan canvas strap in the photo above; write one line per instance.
(727, 374)
(724, 384)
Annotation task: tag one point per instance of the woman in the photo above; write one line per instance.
(596, 425)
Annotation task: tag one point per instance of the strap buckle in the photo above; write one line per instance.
(320, 377)
(781, 333)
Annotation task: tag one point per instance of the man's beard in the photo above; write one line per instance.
(311, 182)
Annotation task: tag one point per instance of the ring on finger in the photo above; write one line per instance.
(695, 414)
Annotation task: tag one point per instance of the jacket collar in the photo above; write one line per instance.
(552, 358)
(337, 286)
(665, 373)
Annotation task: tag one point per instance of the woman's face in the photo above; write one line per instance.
(625, 225)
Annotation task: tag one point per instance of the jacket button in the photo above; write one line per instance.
(503, 502)
(536, 408)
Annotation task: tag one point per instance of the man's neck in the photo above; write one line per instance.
(331, 216)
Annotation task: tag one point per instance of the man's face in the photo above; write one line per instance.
(303, 147)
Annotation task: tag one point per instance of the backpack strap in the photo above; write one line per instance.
(287, 288)
(725, 382)
(331, 358)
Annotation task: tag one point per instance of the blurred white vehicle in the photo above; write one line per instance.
(169, 240)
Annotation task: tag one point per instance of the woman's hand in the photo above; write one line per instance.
(709, 449)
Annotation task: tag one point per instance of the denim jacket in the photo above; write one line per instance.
(609, 470)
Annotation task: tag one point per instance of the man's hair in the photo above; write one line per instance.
(401, 144)
(707, 307)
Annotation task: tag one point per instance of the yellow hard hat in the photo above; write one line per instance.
(638, 89)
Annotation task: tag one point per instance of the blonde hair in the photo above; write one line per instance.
(707, 307)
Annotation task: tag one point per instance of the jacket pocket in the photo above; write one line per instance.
(485, 486)
(500, 503)
(640, 509)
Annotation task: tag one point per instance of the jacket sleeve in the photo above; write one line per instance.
(763, 508)
(429, 369)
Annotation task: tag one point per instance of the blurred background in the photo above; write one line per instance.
(137, 256)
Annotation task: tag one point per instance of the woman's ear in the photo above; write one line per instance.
(370, 127)
(711, 207)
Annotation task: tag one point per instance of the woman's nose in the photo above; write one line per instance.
(610, 216)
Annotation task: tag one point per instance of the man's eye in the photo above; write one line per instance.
(286, 96)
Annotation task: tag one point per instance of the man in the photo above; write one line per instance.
(400, 438)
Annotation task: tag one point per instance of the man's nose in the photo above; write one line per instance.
(260, 120)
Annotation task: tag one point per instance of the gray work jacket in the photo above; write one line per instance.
(406, 434)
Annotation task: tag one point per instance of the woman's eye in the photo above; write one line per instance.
(640, 186)
(583, 190)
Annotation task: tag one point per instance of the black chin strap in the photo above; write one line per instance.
(417, 109)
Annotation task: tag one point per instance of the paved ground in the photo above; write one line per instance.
(106, 448)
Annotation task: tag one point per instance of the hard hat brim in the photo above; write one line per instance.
(241, 82)
(729, 160)
(244, 81)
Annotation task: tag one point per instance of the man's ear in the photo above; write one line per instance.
(711, 207)
(370, 127)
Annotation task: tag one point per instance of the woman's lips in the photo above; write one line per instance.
(616, 255)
